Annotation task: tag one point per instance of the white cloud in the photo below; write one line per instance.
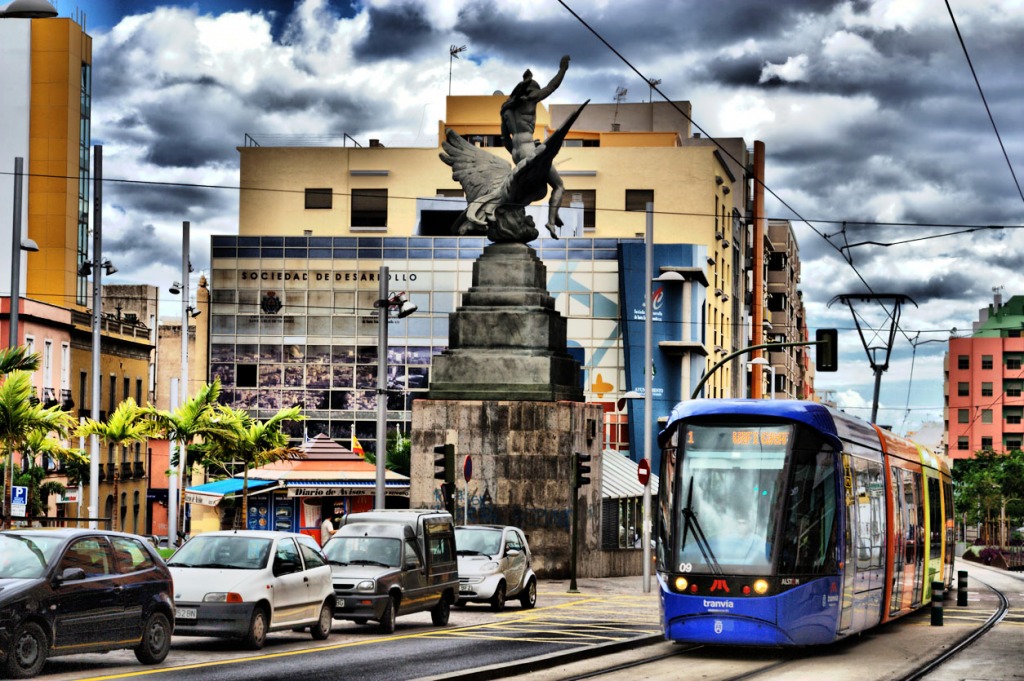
(793, 70)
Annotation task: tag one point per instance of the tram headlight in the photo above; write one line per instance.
(681, 584)
(761, 587)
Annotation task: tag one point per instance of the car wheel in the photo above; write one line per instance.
(28, 651)
(156, 639)
(498, 599)
(440, 612)
(322, 629)
(528, 598)
(387, 618)
(257, 635)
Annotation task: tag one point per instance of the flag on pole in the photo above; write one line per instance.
(356, 447)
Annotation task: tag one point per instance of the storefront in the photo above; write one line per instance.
(292, 496)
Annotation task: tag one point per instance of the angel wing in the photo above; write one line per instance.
(483, 176)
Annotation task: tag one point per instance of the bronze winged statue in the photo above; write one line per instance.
(498, 192)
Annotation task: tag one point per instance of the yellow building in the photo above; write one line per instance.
(45, 106)
(614, 160)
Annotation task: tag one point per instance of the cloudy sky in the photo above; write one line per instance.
(879, 145)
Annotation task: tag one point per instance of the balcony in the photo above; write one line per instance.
(111, 471)
(139, 470)
(126, 470)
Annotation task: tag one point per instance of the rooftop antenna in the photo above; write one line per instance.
(453, 53)
(620, 96)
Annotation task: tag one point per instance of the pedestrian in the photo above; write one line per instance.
(329, 526)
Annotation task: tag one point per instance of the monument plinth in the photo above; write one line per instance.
(506, 340)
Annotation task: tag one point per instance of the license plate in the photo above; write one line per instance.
(340, 603)
(185, 613)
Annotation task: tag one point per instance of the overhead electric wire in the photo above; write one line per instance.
(984, 100)
(727, 153)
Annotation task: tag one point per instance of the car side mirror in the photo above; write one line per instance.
(512, 552)
(71, 574)
(285, 567)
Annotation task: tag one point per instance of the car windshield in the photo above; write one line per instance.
(26, 556)
(484, 541)
(364, 551)
(232, 551)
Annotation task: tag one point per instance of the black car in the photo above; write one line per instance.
(67, 591)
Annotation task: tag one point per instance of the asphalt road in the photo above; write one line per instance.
(474, 637)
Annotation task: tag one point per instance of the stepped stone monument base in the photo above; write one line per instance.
(506, 340)
(522, 455)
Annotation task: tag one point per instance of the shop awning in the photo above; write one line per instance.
(212, 493)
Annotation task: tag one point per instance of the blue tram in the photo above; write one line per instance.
(788, 523)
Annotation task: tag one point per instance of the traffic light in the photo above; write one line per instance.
(444, 463)
(448, 497)
(826, 356)
(582, 470)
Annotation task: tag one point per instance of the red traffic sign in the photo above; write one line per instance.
(643, 472)
(467, 468)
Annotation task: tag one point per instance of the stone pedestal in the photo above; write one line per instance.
(506, 340)
(523, 457)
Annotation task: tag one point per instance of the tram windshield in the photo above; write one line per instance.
(734, 513)
(730, 480)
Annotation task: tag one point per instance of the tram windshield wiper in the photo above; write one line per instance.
(690, 521)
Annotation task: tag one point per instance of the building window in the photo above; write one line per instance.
(986, 361)
(588, 197)
(963, 416)
(1013, 362)
(1013, 333)
(1012, 444)
(963, 362)
(1013, 419)
(245, 376)
(113, 395)
(986, 389)
(962, 444)
(986, 443)
(986, 416)
(319, 198)
(637, 199)
(138, 391)
(963, 389)
(1012, 389)
(369, 207)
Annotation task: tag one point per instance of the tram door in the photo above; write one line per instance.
(913, 538)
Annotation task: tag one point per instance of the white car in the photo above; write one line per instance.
(494, 566)
(245, 583)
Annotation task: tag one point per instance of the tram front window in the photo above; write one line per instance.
(729, 485)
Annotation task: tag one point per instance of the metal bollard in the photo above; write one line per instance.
(961, 588)
(937, 588)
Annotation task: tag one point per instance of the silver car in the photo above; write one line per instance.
(494, 566)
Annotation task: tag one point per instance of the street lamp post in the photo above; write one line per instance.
(385, 302)
(14, 303)
(176, 480)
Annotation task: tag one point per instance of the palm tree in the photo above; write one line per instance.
(19, 418)
(252, 443)
(39, 443)
(197, 419)
(127, 425)
(18, 358)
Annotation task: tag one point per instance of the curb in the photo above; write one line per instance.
(532, 664)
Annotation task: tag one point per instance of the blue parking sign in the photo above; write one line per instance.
(19, 495)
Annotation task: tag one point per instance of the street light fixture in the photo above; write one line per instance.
(761, 361)
(386, 301)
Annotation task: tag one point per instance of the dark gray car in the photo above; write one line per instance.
(391, 563)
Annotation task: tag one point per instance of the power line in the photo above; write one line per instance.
(984, 101)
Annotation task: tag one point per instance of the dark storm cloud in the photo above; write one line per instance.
(135, 248)
(172, 201)
(395, 32)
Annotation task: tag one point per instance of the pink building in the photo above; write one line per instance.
(984, 382)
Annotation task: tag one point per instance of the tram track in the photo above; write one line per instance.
(792, 665)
